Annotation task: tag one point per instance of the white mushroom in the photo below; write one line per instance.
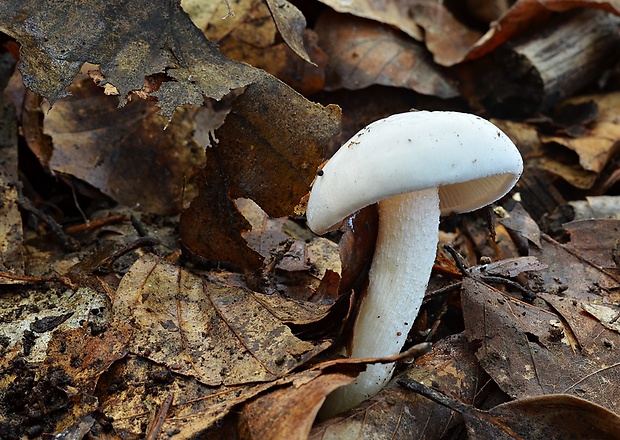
(417, 166)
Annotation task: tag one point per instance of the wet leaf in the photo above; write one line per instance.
(272, 162)
(362, 53)
(125, 153)
(214, 333)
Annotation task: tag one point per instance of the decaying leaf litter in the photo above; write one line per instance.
(152, 286)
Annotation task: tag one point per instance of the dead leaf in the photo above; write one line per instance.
(288, 413)
(125, 153)
(131, 390)
(432, 22)
(519, 221)
(11, 233)
(556, 416)
(596, 240)
(250, 36)
(516, 340)
(291, 24)
(216, 334)
(599, 144)
(271, 161)
(596, 207)
(399, 414)
(362, 53)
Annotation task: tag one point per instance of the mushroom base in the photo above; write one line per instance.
(401, 267)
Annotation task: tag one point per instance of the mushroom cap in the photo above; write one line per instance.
(470, 160)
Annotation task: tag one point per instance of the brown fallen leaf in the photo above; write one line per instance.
(250, 36)
(291, 24)
(596, 207)
(556, 416)
(214, 333)
(11, 233)
(597, 143)
(517, 340)
(597, 240)
(133, 387)
(399, 414)
(271, 161)
(362, 53)
(448, 39)
(125, 153)
(288, 413)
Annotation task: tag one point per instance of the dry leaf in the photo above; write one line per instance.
(272, 162)
(288, 413)
(362, 53)
(125, 153)
(133, 388)
(557, 416)
(399, 414)
(597, 241)
(432, 22)
(516, 340)
(11, 234)
(214, 333)
(250, 36)
(596, 207)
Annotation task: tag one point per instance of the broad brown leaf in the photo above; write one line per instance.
(399, 414)
(517, 341)
(125, 153)
(214, 333)
(11, 234)
(362, 53)
(556, 416)
(272, 162)
(251, 36)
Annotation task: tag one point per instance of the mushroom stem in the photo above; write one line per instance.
(401, 267)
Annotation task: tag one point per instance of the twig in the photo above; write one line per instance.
(154, 429)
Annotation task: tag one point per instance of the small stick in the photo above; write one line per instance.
(153, 431)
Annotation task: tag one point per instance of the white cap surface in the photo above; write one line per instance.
(470, 160)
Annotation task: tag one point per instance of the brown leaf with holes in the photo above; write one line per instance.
(133, 388)
(271, 161)
(215, 333)
(362, 53)
(516, 341)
